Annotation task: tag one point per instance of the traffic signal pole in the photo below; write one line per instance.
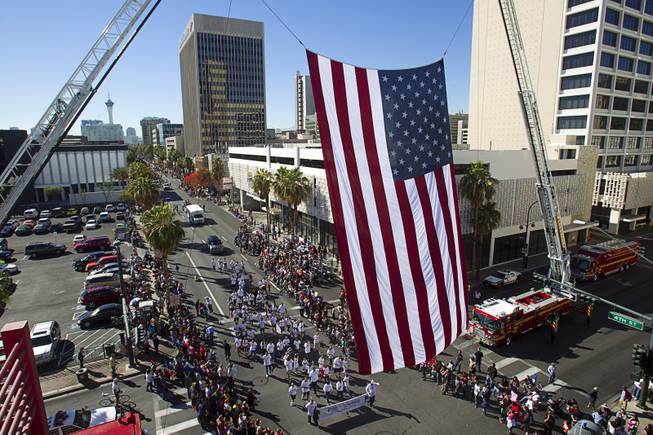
(643, 396)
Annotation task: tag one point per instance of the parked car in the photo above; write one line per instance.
(501, 278)
(31, 213)
(43, 226)
(102, 315)
(78, 238)
(57, 212)
(72, 225)
(10, 268)
(109, 208)
(56, 227)
(79, 264)
(24, 230)
(34, 250)
(97, 296)
(110, 258)
(214, 245)
(45, 214)
(45, 337)
(105, 217)
(7, 231)
(120, 216)
(93, 244)
(29, 222)
(90, 216)
(121, 206)
(84, 211)
(102, 279)
(111, 268)
(6, 254)
(72, 211)
(92, 225)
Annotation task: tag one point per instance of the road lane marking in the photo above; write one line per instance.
(527, 373)
(179, 427)
(206, 286)
(162, 413)
(505, 362)
(244, 258)
(100, 338)
(88, 337)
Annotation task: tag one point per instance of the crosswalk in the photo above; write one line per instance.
(177, 417)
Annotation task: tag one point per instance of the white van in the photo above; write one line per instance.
(31, 213)
(45, 341)
(106, 279)
(195, 214)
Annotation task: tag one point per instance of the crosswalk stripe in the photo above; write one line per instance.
(505, 362)
(552, 388)
(527, 373)
(179, 427)
(172, 410)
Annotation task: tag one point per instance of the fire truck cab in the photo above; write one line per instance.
(499, 321)
(594, 261)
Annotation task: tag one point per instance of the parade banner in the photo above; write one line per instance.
(342, 407)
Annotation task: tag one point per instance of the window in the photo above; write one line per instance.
(631, 23)
(581, 18)
(648, 142)
(649, 125)
(636, 124)
(607, 60)
(632, 143)
(577, 61)
(644, 67)
(580, 39)
(612, 161)
(611, 17)
(575, 102)
(602, 102)
(605, 81)
(622, 84)
(615, 142)
(598, 141)
(580, 140)
(609, 38)
(630, 160)
(619, 103)
(634, 4)
(574, 82)
(599, 162)
(646, 48)
(641, 87)
(628, 43)
(617, 123)
(600, 122)
(572, 3)
(626, 63)
(645, 160)
(647, 28)
(638, 106)
(565, 122)
(648, 7)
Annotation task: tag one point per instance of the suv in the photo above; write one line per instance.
(96, 296)
(214, 245)
(45, 341)
(72, 225)
(93, 244)
(31, 213)
(34, 250)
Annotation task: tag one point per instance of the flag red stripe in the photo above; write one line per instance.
(446, 214)
(416, 269)
(364, 366)
(398, 298)
(362, 225)
(436, 259)
(461, 252)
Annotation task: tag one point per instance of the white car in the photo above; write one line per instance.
(105, 217)
(110, 208)
(45, 341)
(91, 225)
(501, 278)
(10, 268)
(79, 238)
(31, 213)
(45, 214)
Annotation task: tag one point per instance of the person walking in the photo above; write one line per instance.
(340, 388)
(80, 357)
(267, 363)
(327, 389)
(311, 410)
(370, 390)
(149, 380)
(594, 395)
(306, 388)
(292, 392)
(227, 349)
(625, 397)
(551, 371)
(113, 364)
(314, 376)
(478, 358)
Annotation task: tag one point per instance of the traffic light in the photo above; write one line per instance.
(140, 335)
(589, 309)
(641, 356)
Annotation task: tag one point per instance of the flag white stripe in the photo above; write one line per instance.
(431, 183)
(382, 276)
(454, 220)
(349, 218)
(426, 263)
(408, 287)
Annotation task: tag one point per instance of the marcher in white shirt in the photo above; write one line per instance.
(292, 392)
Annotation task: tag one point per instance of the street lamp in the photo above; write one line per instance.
(528, 234)
(128, 338)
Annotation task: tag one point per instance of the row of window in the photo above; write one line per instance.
(624, 63)
(600, 122)
(627, 43)
(629, 22)
(633, 4)
(605, 81)
(617, 142)
(618, 103)
(631, 160)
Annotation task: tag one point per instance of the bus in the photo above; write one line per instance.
(195, 214)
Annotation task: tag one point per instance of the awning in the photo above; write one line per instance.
(254, 197)
(633, 218)
(577, 227)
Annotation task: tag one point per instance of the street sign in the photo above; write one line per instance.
(626, 320)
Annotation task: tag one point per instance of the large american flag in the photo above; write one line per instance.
(388, 159)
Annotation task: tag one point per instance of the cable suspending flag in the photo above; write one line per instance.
(388, 160)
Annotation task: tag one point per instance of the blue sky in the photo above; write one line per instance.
(42, 42)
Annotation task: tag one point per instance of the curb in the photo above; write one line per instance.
(78, 387)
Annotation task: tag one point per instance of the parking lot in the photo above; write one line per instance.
(48, 289)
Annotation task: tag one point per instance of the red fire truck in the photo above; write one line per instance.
(499, 321)
(594, 261)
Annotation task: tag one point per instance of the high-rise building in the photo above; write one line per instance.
(109, 105)
(458, 126)
(222, 83)
(162, 131)
(130, 131)
(304, 103)
(590, 64)
(97, 131)
(147, 124)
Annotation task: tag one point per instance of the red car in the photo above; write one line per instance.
(101, 262)
(100, 243)
(96, 296)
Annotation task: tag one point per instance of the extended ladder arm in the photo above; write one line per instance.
(553, 231)
(34, 153)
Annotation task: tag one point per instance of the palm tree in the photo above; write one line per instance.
(139, 169)
(143, 191)
(164, 232)
(293, 187)
(478, 187)
(262, 183)
(121, 174)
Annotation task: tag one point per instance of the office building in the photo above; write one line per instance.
(163, 131)
(175, 143)
(304, 103)
(459, 129)
(97, 131)
(147, 124)
(10, 142)
(130, 136)
(590, 64)
(222, 84)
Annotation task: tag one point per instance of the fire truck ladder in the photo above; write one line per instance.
(553, 231)
(67, 106)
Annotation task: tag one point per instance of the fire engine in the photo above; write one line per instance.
(499, 321)
(594, 261)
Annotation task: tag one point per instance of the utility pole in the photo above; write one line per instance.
(125, 309)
